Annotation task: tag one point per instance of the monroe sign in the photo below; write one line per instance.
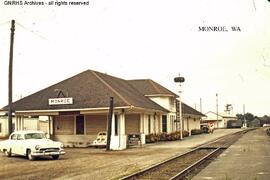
(58, 101)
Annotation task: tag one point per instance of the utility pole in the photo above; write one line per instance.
(244, 114)
(201, 105)
(217, 107)
(10, 77)
(109, 125)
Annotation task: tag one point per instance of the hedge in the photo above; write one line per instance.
(154, 137)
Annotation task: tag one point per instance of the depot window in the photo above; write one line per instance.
(164, 123)
(80, 124)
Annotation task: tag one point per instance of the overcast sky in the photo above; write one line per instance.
(156, 39)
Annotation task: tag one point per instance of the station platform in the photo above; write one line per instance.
(248, 158)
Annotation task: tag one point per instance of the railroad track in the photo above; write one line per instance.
(186, 165)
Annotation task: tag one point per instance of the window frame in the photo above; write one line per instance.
(81, 125)
(164, 124)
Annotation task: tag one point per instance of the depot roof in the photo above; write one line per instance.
(187, 110)
(89, 89)
(149, 87)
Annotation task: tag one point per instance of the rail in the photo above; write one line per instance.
(187, 164)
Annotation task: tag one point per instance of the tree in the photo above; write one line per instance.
(248, 117)
(240, 117)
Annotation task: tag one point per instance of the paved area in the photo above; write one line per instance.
(91, 163)
(247, 159)
(195, 140)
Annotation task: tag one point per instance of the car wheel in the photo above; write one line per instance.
(29, 155)
(55, 157)
(7, 153)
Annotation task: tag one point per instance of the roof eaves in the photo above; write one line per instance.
(159, 95)
(193, 115)
(156, 110)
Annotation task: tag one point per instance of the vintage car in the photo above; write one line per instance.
(31, 144)
(204, 128)
(101, 139)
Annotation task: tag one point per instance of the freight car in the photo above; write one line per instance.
(234, 124)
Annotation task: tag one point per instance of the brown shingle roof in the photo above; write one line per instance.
(187, 110)
(89, 89)
(150, 87)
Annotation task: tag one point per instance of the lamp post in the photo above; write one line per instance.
(180, 80)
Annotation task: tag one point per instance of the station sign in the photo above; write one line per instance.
(134, 139)
(60, 101)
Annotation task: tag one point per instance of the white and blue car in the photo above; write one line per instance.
(31, 144)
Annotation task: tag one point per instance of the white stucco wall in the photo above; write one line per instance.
(222, 119)
(165, 102)
(4, 127)
(29, 124)
(194, 123)
(212, 116)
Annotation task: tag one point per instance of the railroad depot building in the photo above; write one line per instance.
(219, 120)
(77, 109)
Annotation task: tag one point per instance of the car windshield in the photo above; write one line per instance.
(35, 136)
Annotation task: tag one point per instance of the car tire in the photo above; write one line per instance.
(55, 157)
(29, 155)
(7, 153)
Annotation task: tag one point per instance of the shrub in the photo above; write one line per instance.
(163, 136)
(196, 131)
(153, 137)
(149, 138)
(169, 137)
(185, 133)
(156, 137)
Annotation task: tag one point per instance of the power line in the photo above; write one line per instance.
(254, 4)
(31, 31)
(4, 23)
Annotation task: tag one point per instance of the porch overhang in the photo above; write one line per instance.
(51, 112)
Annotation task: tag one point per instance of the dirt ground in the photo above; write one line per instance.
(81, 163)
(92, 163)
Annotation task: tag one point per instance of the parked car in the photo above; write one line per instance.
(204, 128)
(266, 125)
(101, 139)
(31, 144)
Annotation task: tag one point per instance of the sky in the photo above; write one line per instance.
(153, 39)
